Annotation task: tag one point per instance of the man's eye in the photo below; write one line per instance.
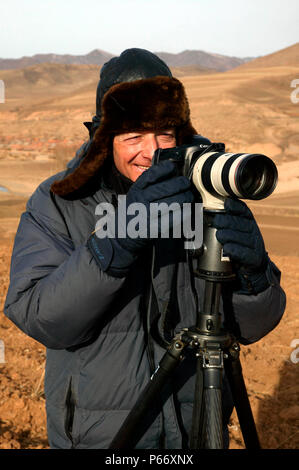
(166, 137)
(134, 138)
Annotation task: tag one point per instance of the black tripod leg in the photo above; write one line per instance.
(207, 430)
(196, 429)
(233, 370)
(131, 430)
(212, 431)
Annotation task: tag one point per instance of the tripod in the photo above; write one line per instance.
(216, 351)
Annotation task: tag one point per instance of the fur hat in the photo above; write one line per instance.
(146, 104)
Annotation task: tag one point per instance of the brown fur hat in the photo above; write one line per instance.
(147, 104)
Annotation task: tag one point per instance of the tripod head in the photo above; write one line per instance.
(211, 264)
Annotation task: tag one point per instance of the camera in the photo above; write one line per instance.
(217, 174)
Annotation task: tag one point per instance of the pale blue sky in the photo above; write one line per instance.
(231, 27)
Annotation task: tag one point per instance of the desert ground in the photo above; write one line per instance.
(250, 110)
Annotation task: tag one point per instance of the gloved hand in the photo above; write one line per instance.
(242, 241)
(159, 184)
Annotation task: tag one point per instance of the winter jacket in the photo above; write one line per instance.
(96, 328)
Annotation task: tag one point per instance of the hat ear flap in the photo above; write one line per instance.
(90, 164)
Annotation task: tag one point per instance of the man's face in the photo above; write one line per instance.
(133, 152)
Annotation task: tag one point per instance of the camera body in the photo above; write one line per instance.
(217, 174)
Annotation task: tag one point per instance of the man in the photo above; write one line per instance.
(92, 302)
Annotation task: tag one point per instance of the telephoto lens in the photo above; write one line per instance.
(217, 175)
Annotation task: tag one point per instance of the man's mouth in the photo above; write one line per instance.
(142, 167)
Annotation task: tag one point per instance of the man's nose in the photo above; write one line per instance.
(150, 145)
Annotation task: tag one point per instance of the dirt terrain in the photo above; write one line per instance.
(250, 110)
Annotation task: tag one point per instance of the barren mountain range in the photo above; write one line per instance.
(207, 60)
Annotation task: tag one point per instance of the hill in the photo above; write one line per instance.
(217, 62)
(95, 57)
(48, 80)
(285, 57)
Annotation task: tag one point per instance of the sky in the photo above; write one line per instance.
(240, 28)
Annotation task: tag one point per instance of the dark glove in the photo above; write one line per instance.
(159, 184)
(242, 241)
